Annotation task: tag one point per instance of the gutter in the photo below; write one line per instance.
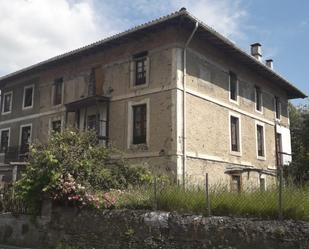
(184, 107)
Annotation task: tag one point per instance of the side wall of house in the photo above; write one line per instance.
(208, 117)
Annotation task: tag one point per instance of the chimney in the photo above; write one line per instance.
(270, 63)
(256, 51)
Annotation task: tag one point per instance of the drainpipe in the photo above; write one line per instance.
(184, 109)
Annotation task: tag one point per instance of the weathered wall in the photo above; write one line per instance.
(140, 229)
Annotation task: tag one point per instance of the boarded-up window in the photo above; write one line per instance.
(236, 183)
(233, 86)
(139, 124)
(260, 140)
(235, 134)
(4, 140)
(57, 91)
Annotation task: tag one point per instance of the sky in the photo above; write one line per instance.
(35, 30)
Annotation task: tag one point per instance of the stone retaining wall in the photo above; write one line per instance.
(142, 229)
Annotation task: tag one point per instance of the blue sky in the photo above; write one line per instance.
(35, 30)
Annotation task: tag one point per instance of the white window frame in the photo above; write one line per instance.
(261, 100)
(9, 139)
(237, 89)
(263, 158)
(133, 72)
(236, 115)
(51, 120)
(11, 103)
(275, 108)
(24, 97)
(53, 93)
(20, 132)
(131, 104)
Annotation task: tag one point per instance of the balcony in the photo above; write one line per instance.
(90, 113)
(15, 154)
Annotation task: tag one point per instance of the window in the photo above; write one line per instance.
(5, 136)
(233, 87)
(141, 67)
(139, 124)
(279, 149)
(91, 122)
(260, 140)
(28, 97)
(57, 91)
(7, 102)
(258, 99)
(235, 142)
(25, 138)
(235, 183)
(56, 126)
(277, 107)
(262, 183)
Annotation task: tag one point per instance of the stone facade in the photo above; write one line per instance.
(140, 229)
(109, 68)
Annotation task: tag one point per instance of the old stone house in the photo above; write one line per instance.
(172, 94)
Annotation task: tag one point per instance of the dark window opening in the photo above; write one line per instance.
(4, 140)
(140, 71)
(260, 140)
(277, 107)
(279, 149)
(58, 91)
(233, 86)
(139, 124)
(25, 139)
(7, 102)
(56, 126)
(92, 122)
(235, 134)
(258, 99)
(28, 97)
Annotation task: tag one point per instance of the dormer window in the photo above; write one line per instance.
(7, 102)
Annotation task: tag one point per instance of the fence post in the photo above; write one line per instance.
(207, 195)
(280, 192)
(155, 193)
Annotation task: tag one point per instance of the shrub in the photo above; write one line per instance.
(71, 168)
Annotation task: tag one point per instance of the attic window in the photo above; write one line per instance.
(141, 67)
(233, 87)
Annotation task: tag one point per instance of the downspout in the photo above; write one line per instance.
(184, 109)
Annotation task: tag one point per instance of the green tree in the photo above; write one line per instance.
(72, 168)
(299, 125)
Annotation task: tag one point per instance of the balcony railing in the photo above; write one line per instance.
(15, 154)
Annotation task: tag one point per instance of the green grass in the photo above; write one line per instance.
(295, 204)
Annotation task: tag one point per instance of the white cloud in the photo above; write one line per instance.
(34, 30)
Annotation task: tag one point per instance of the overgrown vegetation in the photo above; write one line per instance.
(298, 171)
(74, 169)
(263, 204)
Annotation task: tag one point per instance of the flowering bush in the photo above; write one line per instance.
(71, 168)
